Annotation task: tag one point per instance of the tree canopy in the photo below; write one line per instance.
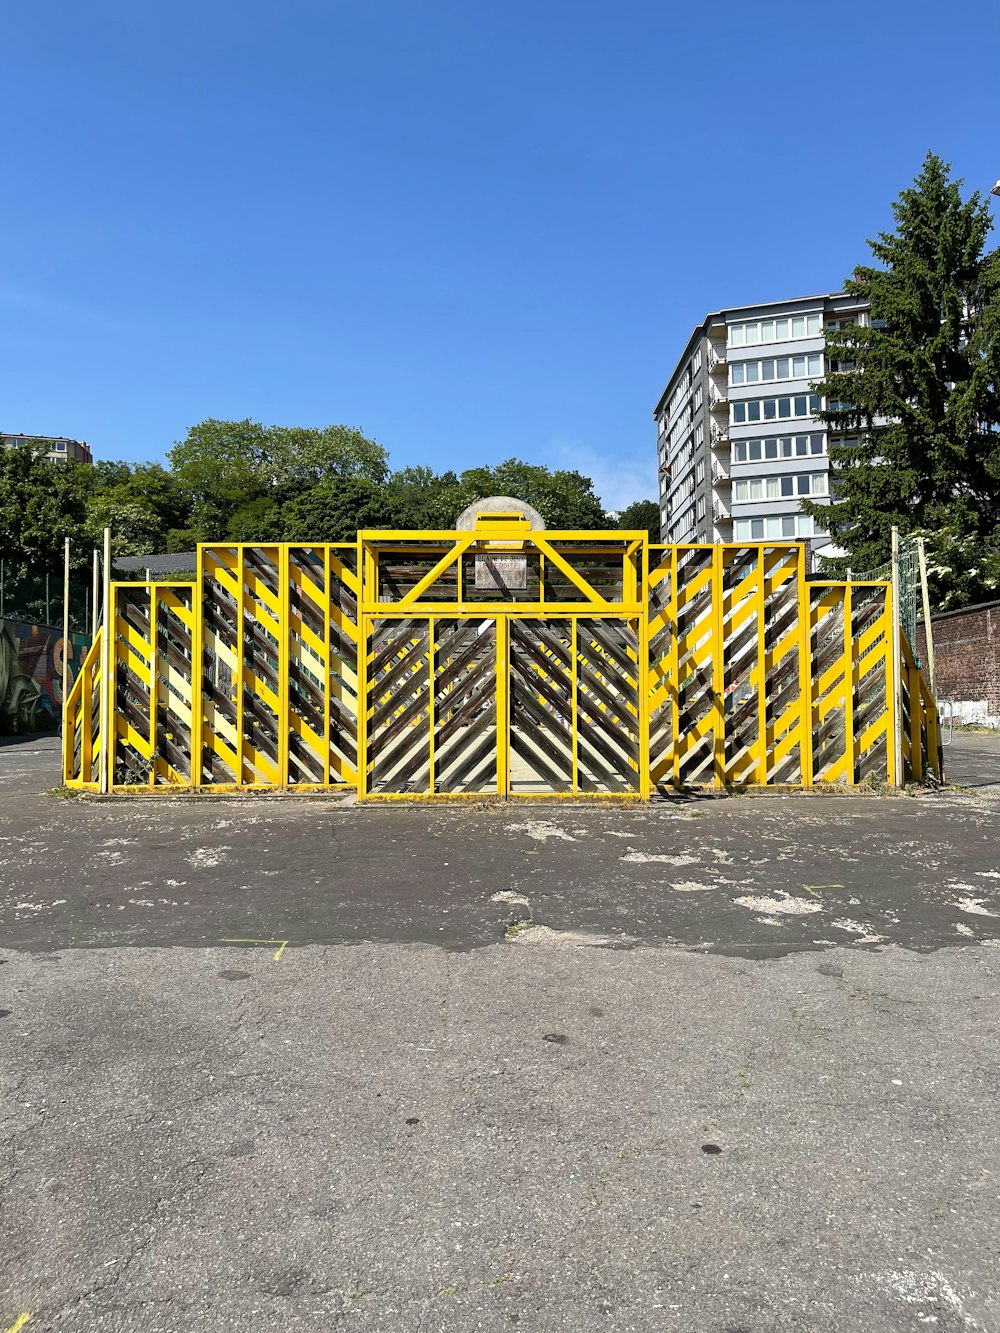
(913, 394)
(41, 504)
(641, 514)
(243, 481)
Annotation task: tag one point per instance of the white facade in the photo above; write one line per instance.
(739, 439)
(59, 447)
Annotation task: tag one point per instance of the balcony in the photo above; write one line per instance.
(717, 364)
(719, 436)
(720, 474)
(720, 512)
(717, 400)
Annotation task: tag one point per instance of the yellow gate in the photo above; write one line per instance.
(504, 661)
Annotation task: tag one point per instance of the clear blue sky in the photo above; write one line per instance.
(474, 230)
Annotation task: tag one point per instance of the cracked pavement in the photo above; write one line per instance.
(483, 1085)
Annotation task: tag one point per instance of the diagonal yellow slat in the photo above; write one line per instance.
(689, 591)
(261, 690)
(566, 568)
(178, 606)
(785, 645)
(431, 577)
(305, 731)
(127, 658)
(835, 699)
(836, 669)
(220, 573)
(308, 636)
(265, 767)
(130, 736)
(787, 742)
(871, 733)
(137, 641)
(347, 576)
(256, 587)
(882, 627)
(836, 770)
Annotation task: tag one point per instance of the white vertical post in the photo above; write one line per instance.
(107, 721)
(95, 592)
(928, 635)
(65, 654)
(897, 660)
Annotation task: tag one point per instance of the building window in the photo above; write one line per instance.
(780, 527)
(806, 366)
(699, 472)
(786, 446)
(751, 332)
(775, 409)
(700, 508)
(749, 489)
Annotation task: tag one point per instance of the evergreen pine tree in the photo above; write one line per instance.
(915, 392)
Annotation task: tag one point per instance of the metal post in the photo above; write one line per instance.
(897, 666)
(95, 594)
(926, 600)
(107, 722)
(47, 614)
(1, 587)
(66, 644)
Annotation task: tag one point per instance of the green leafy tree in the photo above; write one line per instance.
(914, 393)
(641, 514)
(139, 503)
(334, 510)
(260, 520)
(221, 461)
(41, 504)
(564, 499)
(225, 465)
(134, 525)
(426, 499)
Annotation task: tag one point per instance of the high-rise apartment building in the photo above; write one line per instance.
(58, 447)
(740, 441)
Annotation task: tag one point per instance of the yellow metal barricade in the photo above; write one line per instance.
(501, 661)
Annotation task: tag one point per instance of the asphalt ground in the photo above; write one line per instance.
(723, 1065)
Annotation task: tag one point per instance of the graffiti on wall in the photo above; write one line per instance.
(31, 663)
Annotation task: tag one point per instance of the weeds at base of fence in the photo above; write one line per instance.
(65, 793)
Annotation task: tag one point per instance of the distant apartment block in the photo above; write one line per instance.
(740, 443)
(58, 448)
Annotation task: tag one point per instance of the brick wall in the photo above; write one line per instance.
(967, 661)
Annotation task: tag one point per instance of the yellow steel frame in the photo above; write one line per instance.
(80, 714)
(921, 741)
(287, 620)
(502, 619)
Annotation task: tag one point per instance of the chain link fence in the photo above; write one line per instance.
(37, 599)
(909, 586)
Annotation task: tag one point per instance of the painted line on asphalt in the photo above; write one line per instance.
(20, 1321)
(277, 956)
(814, 888)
